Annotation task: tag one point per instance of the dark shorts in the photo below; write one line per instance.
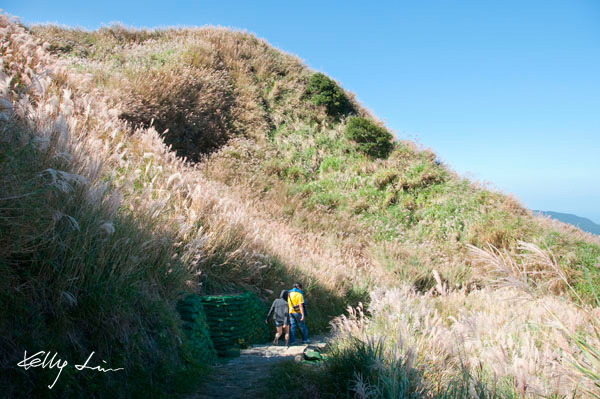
(284, 322)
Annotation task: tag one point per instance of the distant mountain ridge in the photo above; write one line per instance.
(584, 224)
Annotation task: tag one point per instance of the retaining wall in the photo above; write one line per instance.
(196, 329)
(235, 320)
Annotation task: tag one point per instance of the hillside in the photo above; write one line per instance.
(582, 223)
(139, 165)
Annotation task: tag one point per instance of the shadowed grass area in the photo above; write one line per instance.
(78, 276)
(95, 252)
(364, 369)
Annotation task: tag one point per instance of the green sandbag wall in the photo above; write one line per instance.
(235, 320)
(196, 329)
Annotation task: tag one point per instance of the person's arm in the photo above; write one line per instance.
(270, 312)
(301, 305)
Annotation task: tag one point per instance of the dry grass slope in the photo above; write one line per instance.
(137, 165)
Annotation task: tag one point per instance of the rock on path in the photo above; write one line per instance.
(244, 376)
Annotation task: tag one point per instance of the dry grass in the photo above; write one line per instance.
(192, 108)
(78, 273)
(284, 159)
(533, 267)
(510, 343)
(129, 214)
(516, 338)
(281, 197)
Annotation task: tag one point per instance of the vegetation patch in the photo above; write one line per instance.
(95, 257)
(371, 139)
(192, 108)
(321, 90)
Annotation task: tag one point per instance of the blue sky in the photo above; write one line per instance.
(504, 92)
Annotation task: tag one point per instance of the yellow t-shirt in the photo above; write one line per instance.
(295, 299)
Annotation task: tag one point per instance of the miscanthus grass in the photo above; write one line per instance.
(525, 335)
(238, 109)
(140, 164)
(104, 226)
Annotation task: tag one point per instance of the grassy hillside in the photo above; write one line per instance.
(138, 165)
(400, 216)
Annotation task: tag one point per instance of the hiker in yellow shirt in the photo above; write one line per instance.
(297, 310)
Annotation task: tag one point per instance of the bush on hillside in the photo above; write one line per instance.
(324, 91)
(372, 140)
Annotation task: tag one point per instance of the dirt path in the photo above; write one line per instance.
(244, 376)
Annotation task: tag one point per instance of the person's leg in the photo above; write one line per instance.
(277, 335)
(303, 330)
(293, 323)
(286, 330)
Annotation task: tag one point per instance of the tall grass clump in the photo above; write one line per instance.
(537, 273)
(365, 359)
(365, 369)
(491, 342)
(79, 274)
(587, 365)
(586, 361)
(191, 107)
(369, 368)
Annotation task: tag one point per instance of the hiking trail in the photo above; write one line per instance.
(244, 376)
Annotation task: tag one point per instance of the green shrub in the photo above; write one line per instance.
(372, 140)
(324, 91)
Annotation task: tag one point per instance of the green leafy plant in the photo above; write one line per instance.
(372, 140)
(324, 91)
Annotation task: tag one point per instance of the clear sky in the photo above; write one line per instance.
(506, 92)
